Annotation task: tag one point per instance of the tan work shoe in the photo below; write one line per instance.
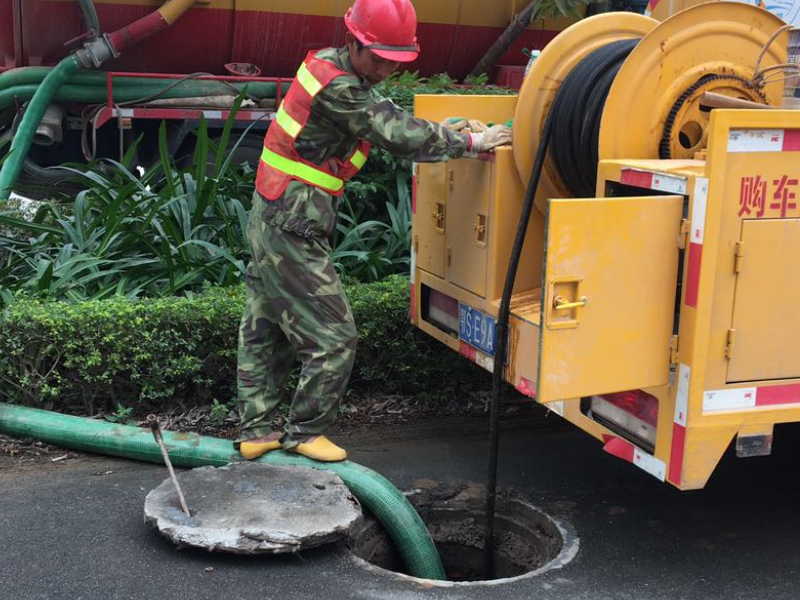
(254, 448)
(320, 448)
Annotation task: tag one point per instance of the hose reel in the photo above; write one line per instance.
(623, 85)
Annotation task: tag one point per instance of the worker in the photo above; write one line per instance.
(296, 306)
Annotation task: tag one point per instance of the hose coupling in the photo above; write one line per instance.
(95, 52)
(50, 130)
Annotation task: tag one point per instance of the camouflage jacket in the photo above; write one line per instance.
(346, 110)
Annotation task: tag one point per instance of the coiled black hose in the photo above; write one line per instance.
(577, 111)
(571, 130)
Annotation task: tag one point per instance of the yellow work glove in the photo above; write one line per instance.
(496, 135)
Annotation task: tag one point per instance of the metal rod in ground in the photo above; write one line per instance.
(152, 420)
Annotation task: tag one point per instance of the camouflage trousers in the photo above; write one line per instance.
(296, 311)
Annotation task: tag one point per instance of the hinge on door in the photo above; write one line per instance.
(480, 229)
(451, 180)
(683, 235)
(449, 256)
(737, 261)
(438, 216)
(729, 343)
(673, 350)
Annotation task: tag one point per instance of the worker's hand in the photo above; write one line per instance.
(496, 135)
(464, 125)
(475, 126)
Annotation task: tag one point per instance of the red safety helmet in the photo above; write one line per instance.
(387, 27)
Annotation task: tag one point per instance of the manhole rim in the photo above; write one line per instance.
(569, 550)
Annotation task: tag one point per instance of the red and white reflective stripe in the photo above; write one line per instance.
(751, 397)
(414, 174)
(679, 421)
(764, 140)
(412, 302)
(626, 451)
(476, 356)
(413, 265)
(674, 184)
(526, 387)
(696, 235)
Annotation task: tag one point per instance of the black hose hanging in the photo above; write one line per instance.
(572, 128)
(502, 344)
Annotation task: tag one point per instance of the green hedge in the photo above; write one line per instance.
(149, 354)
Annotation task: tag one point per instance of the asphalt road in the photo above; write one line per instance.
(74, 529)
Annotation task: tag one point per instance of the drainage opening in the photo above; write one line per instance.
(527, 540)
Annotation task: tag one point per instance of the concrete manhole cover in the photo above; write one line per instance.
(253, 508)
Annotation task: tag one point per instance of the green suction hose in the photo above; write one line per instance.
(33, 76)
(377, 493)
(30, 121)
(97, 94)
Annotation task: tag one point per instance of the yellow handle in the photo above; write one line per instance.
(560, 303)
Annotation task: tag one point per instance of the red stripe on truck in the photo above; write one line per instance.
(693, 274)
(778, 394)
(676, 453)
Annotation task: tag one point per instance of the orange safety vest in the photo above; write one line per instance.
(280, 161)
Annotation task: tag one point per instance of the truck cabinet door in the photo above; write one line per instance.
(609, 290)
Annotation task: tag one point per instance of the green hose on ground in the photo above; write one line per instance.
(386, 502)
(30, 121)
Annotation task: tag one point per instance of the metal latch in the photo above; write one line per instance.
(562, 311)
(560, 303)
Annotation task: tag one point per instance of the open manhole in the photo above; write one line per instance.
(528, 542)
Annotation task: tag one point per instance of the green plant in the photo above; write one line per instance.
(160, 233)
(151, 354)
(219, 412)
(558, 8)
(402, 87)
(371, 250)
(121, 415)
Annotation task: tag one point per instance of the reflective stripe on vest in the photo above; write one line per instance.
(308, 81)
(300, 170)
(358, 159)
(287, 122)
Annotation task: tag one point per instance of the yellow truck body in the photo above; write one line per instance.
(659, 317)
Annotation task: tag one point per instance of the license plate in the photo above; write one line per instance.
(477, 329)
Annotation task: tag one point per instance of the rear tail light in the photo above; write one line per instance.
(442, 311)
(633, 414)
